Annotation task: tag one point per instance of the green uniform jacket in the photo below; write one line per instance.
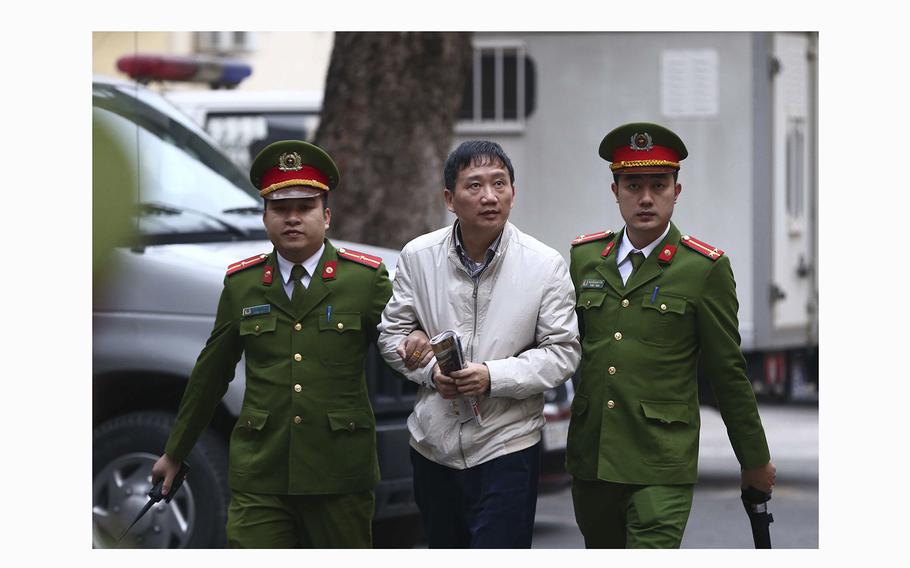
(306, 426)
(635, 415)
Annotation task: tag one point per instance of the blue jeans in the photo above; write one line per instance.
(491, 505)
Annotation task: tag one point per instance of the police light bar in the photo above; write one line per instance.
(195, 69)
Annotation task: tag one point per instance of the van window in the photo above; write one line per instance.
(187, 190)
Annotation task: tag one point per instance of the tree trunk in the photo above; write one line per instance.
(390, 104)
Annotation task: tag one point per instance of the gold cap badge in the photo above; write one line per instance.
(641, 141)
(290, 162)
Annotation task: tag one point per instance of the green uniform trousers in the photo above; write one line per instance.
(258, 520)
(619, 515)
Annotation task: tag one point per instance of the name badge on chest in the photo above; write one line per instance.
(257, 310)
(592, 283)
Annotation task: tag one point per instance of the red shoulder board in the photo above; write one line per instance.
(704, 248)
(581, 239)
(360, 257)
(246, 263)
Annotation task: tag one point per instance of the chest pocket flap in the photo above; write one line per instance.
(588, 299)
(665, 411)
(349, 420)
(252, 419)
(340, 322)
(665, 304)
(258, 325)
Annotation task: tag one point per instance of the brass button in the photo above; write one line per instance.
(298, 357)
(610, 404)
(298, 327)
(663, 307)
(625, 303)
(258, 327)
(612, 370)
(298, 420)
(342, 251)
(617, 336)
(340, 325)
(249, 423)
(588, 304)
(298, 388)
(351, 426)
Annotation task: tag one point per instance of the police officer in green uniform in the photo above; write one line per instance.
(652, 304)
(303, 459)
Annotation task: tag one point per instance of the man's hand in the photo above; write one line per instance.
(444, 384)
(166, 467)
(415, 350)
(761, 478)
(472, 381)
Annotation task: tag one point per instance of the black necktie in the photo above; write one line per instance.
(297, 296)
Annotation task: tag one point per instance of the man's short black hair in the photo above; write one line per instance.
(476, 152)
(325, 201)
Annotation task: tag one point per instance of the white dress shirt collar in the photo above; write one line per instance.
(310, 264)
(626, 247)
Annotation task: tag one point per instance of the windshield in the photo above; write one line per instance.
(186, 190)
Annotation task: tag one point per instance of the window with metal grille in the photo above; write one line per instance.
(500, 93)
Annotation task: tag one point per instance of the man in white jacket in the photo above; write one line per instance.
(510, 299)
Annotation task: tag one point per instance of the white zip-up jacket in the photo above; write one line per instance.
(519, 319)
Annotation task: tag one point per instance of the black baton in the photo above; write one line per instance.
(155, 496)
(756, 504)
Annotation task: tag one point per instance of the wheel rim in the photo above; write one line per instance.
(119, 492)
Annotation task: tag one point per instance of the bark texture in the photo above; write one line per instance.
(391, 100)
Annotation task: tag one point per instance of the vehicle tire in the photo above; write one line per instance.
(123, 452)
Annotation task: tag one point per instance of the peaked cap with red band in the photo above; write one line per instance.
(293, 168)
(642, 148)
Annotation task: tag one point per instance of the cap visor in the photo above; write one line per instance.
(294, 192)
(646, 170)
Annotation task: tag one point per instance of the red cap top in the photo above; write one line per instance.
(275, 178)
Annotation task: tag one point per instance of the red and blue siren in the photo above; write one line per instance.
(216, 72)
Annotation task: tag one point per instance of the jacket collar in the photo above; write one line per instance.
(508, 233)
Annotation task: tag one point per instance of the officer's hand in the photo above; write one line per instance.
(761, 478)
(474, 380)
(166, 467)
(415, 350)
(444, 384)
